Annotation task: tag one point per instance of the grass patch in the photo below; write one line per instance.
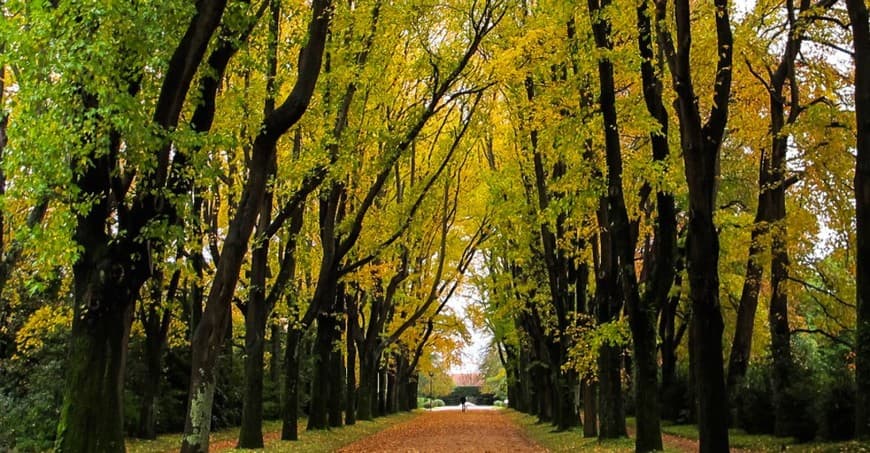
(739, 439)
(565, 441)
(309, 441)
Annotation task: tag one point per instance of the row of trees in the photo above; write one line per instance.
(235, 171)
(660, 163)
(322, 174)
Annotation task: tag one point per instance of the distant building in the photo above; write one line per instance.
(467, 379)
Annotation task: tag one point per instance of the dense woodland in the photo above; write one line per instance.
(216, 212)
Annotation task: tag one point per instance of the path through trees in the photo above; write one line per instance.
(450, 430)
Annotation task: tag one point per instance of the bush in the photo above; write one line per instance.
(753, 401)
(434, 403)
(798, 401)
(498, 403)
(29, 415)
(835, 408)
(32, 382)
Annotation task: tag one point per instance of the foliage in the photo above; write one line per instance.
(29, 395)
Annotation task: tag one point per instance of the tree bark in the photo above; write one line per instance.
(368, 385)
(350, 404)
(95, 369)
(861, 38)
(337, 377)
(590, 413)
(156, 328)
(290, 391)
(611, 413)
(322, 385)
(741, 346)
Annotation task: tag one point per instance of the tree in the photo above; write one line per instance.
(701, 143)
(861, 37)
(209, 333)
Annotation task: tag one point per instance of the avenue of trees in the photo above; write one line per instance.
(222, 211)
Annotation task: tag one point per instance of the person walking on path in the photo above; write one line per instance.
(462, 403)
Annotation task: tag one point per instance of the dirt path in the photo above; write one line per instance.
(439, 431)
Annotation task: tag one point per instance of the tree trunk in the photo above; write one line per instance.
(290, 394)
(707, 326)
(861, 38)
(147, 417)
(671, 396)
(275, 359)
(641, 316)
(368, 385)
(337, 383)
(411, 392)
(590, 413)
(321, 384)
(701, 142)
(210, 333)
(780, 333)
(741, 346)
(382, 392)
(611, 416)
(351, 391)
(611, 413)
(392, 394)
(251, 433)
(92, 414)
(156, 330)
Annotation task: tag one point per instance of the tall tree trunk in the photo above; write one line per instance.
(216, 318)
(322, 384)
(91, 416)
(351, 391)
(701, 142)
(590, 413)
(368, 385)
(671, 396)
(861, 38)
(741, 346)
(290, 392)
(611, 413)
(337, 381)
(156, 331)
(251, 433)
(392, 400)
(256, 314)
(382, 391)
(780, 333)
(641, 316)
(257, 309)
(275, 353)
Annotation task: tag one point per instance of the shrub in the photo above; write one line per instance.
(753, 401)
(835, 407)
(836, 410)
(798, 401)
